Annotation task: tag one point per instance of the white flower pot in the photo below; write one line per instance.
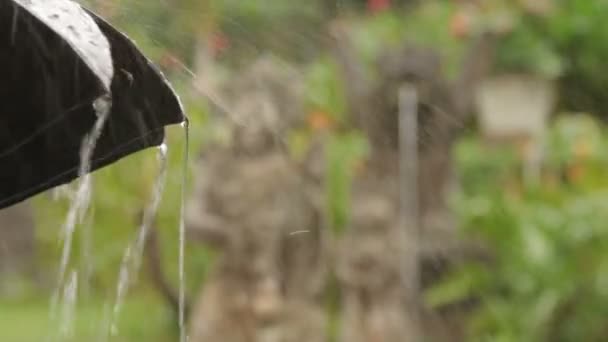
(514, 106)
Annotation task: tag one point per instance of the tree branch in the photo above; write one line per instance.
(157, 274)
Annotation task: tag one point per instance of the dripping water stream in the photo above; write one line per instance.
(182, 236)
(65, 294)
(79, 204)
(68, 309)
(132, 258)
(64, 299)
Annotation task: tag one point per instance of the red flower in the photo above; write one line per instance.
(219, 43)
(460, 24)
(376, 6)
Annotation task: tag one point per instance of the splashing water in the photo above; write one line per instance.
(131, 261)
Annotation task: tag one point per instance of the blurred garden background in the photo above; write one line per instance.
(360, 170)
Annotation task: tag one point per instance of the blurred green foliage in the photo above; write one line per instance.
(568, 42)
(345, 153)
(546, 280)
(29, 321)
(578, 30)
(324, 91)
(288, 28)
(526, 50)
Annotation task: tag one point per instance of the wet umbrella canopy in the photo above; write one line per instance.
(56, 61)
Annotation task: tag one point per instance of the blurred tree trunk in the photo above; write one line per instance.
(17, 247)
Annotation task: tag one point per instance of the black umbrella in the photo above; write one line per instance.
(56, 60)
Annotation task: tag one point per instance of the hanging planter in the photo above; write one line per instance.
(57, 60)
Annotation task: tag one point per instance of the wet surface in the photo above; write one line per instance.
(77, 28)
(47, 90)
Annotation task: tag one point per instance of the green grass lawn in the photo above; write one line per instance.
(141, 319)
